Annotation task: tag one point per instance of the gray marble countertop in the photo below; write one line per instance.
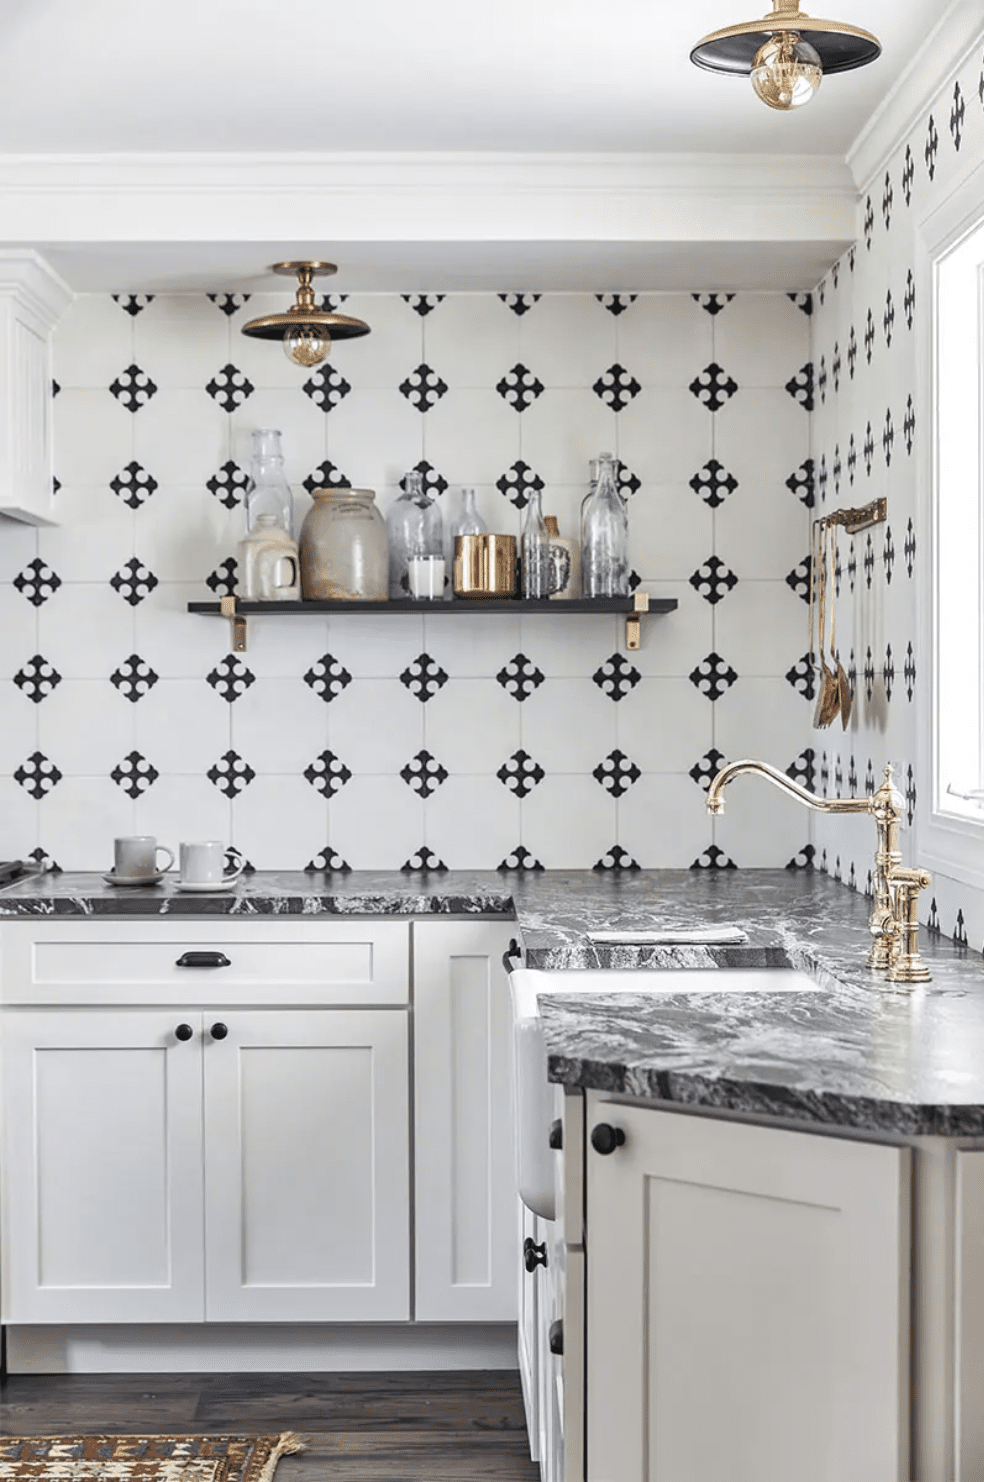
(856, 1053)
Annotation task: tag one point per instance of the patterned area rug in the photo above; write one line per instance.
(144, 1458)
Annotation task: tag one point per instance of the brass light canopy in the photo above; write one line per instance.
(786, 53)
(305, 331)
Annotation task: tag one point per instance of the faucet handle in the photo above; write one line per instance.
(904, 885)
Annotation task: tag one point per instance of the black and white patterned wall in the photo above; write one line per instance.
(868, 420)
(419, 741)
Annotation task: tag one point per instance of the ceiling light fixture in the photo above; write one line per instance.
(786, 53)
(305, 331)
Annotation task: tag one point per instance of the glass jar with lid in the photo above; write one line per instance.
(343, 547)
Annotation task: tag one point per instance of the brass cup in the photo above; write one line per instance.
(485, 566)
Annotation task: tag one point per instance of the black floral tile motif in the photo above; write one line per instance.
(327, 475)
(616, 303)
(713, 858)
(433, 483)
(45, 861)
(803, 860)
(616, 387)
(888, 200)
(958, 112)
(626, 481)
(868, 450)
(852, 459)
(852, 779)
(616, 773)
(909, 299)
(328, 863)
(869, 337)
(909, 672)
(423, 303)
(800, 387)
(133, 388)
(713, 580)
(424, 774)
(423, 388)
(960, 931)
(713, 483)
(712, 303)
(224, 578)
(520, 774)
(520, 303)
(424, 862)
(799, 579)
(869, 561)
(37, 582)
(424, 677)
(888, 437)
(327, 678)
(869, 223)
(229, 484)
(228, 303)
(330, 303)
(229, 388)
(888, 554)
(519, 387)
(520, 859)
(134, 774)
(909, 549)
(230, 678)
(55, 390)
(327, 774)
(617, 858)
(231, 774)
(37, 678)
(888, 320)
(713, 676)
(520, 677)
(616, 677)
(933, 920)
(835, 368)
(326, 387)
(133, 303)
(835, 469)
(822, 380)
(800, 483)
(518, 482)
(133, 484)
(909, 426)
(713, 388)
(37, 775)
(910, 795)
(704, 771)
(852, 353)
(932, 147)
(908, 175)
(133, 582)
(804, 301)
(134, 678)
(804, 769)
(869, 674)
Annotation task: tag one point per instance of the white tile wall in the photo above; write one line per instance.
(381, 742)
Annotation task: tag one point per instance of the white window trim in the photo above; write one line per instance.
(946, 843)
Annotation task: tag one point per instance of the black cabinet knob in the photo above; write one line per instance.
(219, 1031)
(184, 1031)
(605, 1138)
(534, 1255)
(555, 1336)
(556, 1138)
(203, 959)
(512, 956)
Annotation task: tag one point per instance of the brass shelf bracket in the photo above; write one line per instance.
(856, 520)
(633, 626)
(227, 607)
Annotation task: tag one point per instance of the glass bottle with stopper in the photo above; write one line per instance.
(268, 492)
(414, 530)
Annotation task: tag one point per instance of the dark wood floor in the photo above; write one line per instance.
(405, 1427)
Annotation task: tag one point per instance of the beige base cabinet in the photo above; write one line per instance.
(467, 1251)
(747, 1303)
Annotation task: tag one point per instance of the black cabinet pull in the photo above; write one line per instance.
(556, 1138)
(184, 1031)
(203, 959)
(512, 956)
(605, 1138)
(534, 1255)
(219, 1031)
(555, 1336)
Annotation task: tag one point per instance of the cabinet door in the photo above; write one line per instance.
(466, 1246)
(307, 1166)
(102, 1167)
(747, 1311)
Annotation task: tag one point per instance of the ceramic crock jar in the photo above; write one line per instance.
(344, 555)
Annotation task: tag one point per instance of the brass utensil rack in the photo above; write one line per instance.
(858, 519)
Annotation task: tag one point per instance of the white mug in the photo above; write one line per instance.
(203, 864)
(135, 857)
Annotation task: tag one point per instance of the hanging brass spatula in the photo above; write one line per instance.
(843, 683)
(828, 693)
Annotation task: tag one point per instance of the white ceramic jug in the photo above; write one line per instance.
(269, 567)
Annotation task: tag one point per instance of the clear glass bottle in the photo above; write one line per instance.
(268, 492)
(413, 528)
(467, 521)
(535, 550)
(604, 550)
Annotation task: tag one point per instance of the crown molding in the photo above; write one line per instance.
(945, 49)
(31, 282)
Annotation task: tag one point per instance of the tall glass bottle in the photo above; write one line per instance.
(467, 521)
(268, 492)
(535, 550)
(414, 528)
(604, 552)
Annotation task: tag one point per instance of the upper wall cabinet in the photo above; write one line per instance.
(32, 300)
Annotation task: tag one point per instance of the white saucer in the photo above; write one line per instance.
(213, 886)
(113, 879)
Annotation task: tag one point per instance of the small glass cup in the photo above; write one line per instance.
(426, 577)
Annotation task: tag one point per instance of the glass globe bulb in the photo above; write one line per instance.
(306, 344)
(786, 71)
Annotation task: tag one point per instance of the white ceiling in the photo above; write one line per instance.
(565, 75)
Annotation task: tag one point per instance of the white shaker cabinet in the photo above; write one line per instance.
(747, 1303)
(467, 1247)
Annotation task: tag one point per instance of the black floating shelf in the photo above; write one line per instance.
(596, 605)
